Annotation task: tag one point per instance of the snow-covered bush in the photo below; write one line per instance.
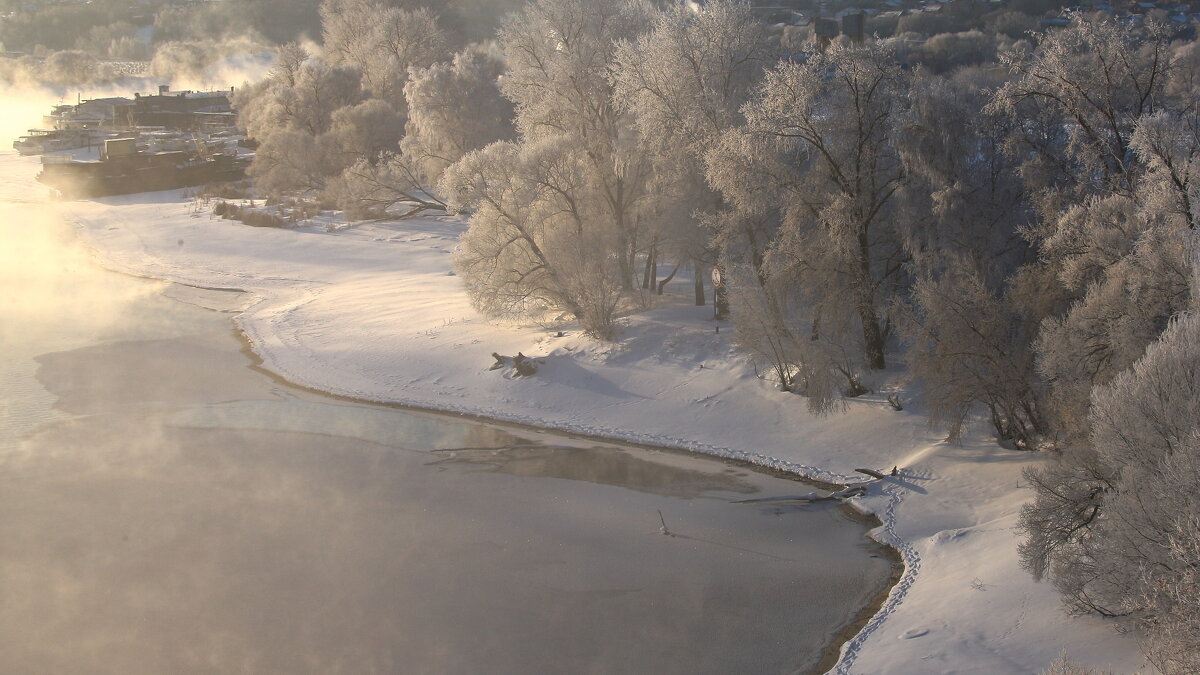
(530, 248)
(1114, 524)
(454, 107)
(966, 347)
(382, 42)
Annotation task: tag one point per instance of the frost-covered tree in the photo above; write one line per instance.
(389, 187)
(531, 248)
(1125, 257)
(382, 42)
(292, 161)
(292, 113)
(355, 109)
(365, 132)
(674, 217)
(1114, 524)
(560, 54)
(818, 138)
(971, 345)
(769, 314)
(1131, 264)
(963, 194)
(303, 99)
(1111, 255)
(557, 214)
(455, 107)
(1173, 625)
(289, 58)
(686, 79)
(1079, 94)
(963, 208)
(1168, 144)
(685, 82)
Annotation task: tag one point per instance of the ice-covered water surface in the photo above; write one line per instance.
(169, 509)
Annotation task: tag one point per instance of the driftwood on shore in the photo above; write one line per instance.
(523, 365)
(856, 490)
(844, 493)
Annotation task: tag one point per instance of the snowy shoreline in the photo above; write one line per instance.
(832, 655)
(372, 312)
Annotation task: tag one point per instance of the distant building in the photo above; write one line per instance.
(92, 114)
(854, 26)
(826, 30)
(183, 110)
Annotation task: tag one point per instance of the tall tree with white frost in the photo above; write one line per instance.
(963, 209)
(556, 214)
(291, 114)
(453, 107)
(382, 42)
(1115, 521)
(1111, 247)
(818, 144)
(530, 249)
(301, 96)
(560, 53)
(1094, 80)
(1130, 262)
(686, 79)
(1114, 525)
(685, 82)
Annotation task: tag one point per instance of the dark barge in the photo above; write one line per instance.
(125, 169)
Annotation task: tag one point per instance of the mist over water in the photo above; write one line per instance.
(184, 513)
(51, 296)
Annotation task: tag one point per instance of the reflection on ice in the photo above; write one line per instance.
(604, 466)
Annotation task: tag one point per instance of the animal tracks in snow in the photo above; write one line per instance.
(912, 567)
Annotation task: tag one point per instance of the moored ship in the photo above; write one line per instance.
(123, 169)
(39, 141)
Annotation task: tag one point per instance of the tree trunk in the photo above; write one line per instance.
(873, 338)
(649, 274)
(626, 266)
(701, 300)
(663, 284)
(624, 244)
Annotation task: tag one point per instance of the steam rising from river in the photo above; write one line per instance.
(44, 272)
(41, 269)
(51, 293)
(22, 105)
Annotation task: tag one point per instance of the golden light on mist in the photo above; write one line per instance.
(21, 109)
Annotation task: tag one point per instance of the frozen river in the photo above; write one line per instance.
(165, 507)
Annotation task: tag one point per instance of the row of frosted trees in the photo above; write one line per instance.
(1019, 234)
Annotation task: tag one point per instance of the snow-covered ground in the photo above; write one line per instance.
(373, 311)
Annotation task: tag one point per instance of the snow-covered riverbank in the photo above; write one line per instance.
(373, 311)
